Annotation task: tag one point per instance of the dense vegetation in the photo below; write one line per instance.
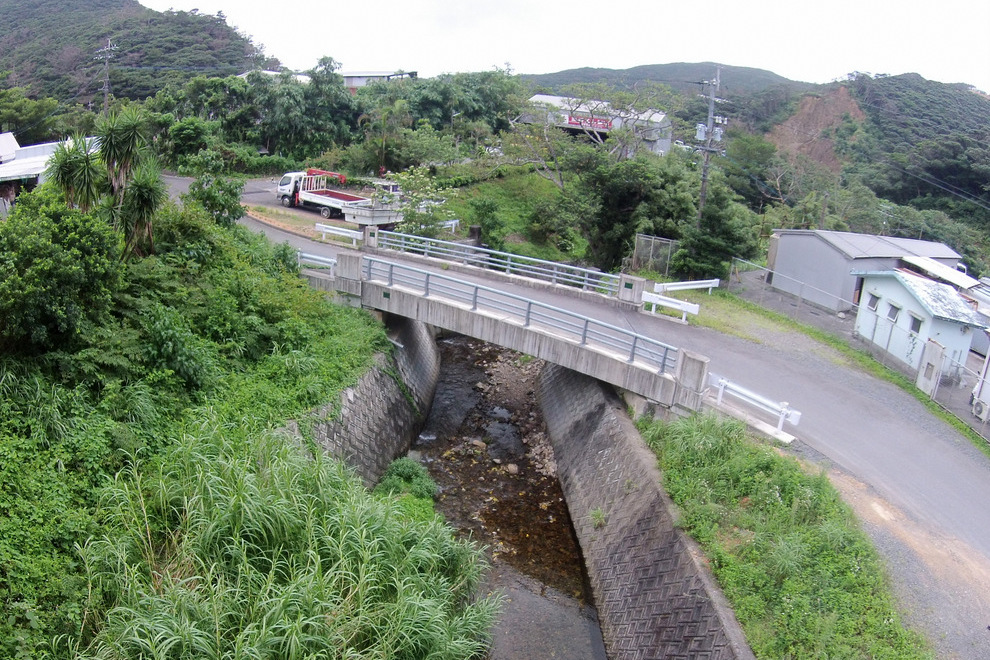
(48, 46)
(147, 502)
(803, 579)
(915, 166)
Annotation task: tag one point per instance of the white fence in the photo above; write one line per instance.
(781, 410)
(352, 235)
(664, 287)
(655, 300)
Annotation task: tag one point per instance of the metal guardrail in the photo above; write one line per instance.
(584, 330)
(684, 307)
(515, 264)
(781, 409)
(664, 287)
(304, 257)
(354, 236)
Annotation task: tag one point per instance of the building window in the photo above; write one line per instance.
(873, 302)
(915, 324)
(893, 311)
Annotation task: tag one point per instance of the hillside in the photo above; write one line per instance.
(50, 47)
(683, 77)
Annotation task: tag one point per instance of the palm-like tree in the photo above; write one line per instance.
(75, 168)
(143, 196)
(130, 186)
(121, 136)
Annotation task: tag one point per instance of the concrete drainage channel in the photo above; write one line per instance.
(654, 597)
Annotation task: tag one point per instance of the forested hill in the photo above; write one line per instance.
(50, 46)
(926, 144)
(680, 76)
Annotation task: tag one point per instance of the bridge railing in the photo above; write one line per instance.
(307, 258)
(584, 330)
(547, 271)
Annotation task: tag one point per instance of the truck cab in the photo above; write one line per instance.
(288, 188)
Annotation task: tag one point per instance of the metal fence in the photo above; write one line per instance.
(956, 378)
(653, 253)
(587, 279)
(630, 346)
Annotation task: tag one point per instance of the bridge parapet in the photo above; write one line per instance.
(615, 355)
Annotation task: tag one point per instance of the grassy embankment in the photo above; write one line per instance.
(803, 579)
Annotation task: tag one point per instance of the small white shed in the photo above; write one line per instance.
(900, 311)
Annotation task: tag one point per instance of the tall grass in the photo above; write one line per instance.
(246, 547)
(802, 577)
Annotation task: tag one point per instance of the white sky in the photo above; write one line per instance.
(948, 41)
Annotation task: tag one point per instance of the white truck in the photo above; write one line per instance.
(310, 188)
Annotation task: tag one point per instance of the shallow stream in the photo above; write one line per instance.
(485, 445)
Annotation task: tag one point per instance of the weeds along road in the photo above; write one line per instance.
(920, 488)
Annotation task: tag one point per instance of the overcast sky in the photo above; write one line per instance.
(948, 41)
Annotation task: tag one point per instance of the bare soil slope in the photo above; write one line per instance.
(804, 133)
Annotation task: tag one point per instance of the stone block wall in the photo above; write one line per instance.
(377, 419)
(654, 595)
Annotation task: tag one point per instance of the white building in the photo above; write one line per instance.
(652, 127)
(900, 312)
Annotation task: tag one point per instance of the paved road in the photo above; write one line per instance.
(920, 488)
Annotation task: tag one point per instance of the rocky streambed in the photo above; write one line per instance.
(485, 446)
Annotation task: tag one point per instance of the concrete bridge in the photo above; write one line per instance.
(653, 369)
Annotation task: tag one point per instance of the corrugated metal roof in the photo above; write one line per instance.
(23, 168)
(865, 246)
(941, 300)
(942, 272)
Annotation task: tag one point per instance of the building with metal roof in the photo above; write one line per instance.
(901, 311)
(817, 265)
(651, 127)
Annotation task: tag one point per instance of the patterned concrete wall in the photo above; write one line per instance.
(655, 598)
(376, 420)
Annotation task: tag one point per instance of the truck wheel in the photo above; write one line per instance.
(286, 201)
(326, 211)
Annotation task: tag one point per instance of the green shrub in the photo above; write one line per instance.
(59, 269)
(405, 475)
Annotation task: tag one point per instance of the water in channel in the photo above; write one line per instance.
(485, 446)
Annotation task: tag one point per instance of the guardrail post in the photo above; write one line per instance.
(508, 264)
(426, 286)
(474, 300)
(584, 333)
(783, 415)
(632, 351)
(529, 309)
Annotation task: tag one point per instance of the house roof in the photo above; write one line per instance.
(940, 300)
(601, 107)
(8, 146)
(31, 161)
(865, 246)
(941, 271)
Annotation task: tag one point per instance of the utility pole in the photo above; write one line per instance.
(106, 54)
(708, 133)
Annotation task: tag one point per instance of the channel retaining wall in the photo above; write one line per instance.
(376, 420)
(655, 598)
